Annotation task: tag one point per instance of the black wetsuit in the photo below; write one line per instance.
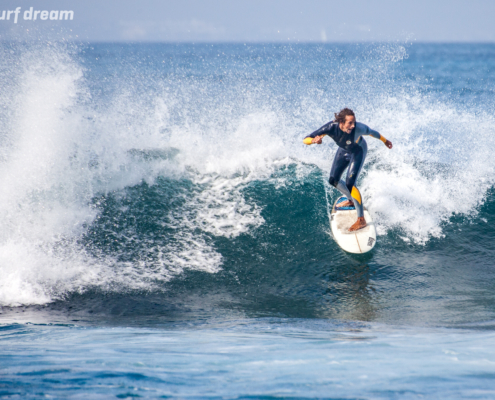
(352, 152)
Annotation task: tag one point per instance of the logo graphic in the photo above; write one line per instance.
(370, 241)
(348, 142)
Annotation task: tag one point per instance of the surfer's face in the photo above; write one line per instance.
(349, 124)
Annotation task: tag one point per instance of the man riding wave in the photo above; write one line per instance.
(348, 134)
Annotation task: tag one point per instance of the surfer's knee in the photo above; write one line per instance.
(332, 181)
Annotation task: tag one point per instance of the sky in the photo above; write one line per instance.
(255, 20)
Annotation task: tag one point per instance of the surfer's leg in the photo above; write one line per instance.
(355, 167)
(340, 163)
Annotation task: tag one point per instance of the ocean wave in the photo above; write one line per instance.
(121, 177)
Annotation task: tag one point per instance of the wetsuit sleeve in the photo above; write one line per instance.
(375, 134)
(324, 130)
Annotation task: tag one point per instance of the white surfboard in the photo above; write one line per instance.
(357, 242)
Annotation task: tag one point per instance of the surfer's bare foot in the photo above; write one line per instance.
(359, 224)
(346, 203)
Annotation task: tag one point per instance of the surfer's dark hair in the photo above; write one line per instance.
(340, 117)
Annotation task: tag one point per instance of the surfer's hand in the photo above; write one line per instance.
(388, 143)
(317, 139)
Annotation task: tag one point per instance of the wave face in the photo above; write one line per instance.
(172, 179)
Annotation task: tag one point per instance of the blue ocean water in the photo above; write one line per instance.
(165, 232)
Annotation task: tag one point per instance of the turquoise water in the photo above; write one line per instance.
(166, 233)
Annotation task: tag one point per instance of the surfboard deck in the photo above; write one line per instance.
(357, 242)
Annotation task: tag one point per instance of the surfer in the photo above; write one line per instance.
(347, 133)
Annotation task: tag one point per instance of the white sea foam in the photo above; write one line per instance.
(62, 152)
(39, 206)
(433, 172)
(222, 161)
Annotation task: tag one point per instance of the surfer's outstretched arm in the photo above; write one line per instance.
(377, 135)
(317, 135)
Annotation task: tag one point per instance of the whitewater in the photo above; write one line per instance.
(165, 232)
